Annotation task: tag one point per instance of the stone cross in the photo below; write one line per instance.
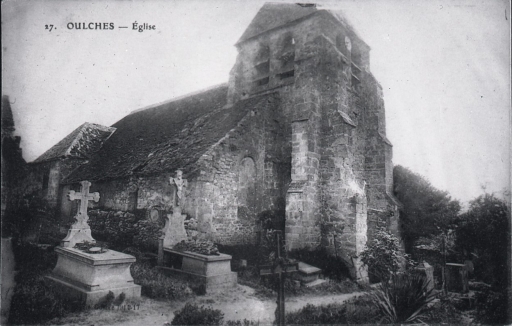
(80, 230)
(84, 196)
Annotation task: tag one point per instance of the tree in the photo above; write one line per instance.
(483, 233)
(426, 210)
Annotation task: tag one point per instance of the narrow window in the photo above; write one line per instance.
(287, 58)
(262, 66)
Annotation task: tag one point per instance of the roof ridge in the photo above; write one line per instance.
(181, 97)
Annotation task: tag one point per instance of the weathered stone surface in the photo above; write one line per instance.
(214, 272)
(298, 131)
(89, 277)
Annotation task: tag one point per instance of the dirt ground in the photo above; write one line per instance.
(237, 304)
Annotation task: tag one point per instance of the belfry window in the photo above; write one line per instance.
(262, 66)
(344, 45)
(287, 58)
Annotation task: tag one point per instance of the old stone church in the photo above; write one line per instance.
(299, 131)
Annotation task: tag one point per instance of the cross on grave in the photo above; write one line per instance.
(280, 268)
(80, 230)
(84, 196)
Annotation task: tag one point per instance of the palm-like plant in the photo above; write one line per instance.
(403, 299)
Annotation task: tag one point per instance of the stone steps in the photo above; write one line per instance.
(308, 275)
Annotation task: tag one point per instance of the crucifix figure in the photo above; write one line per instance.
(80, 230)
(179, 182)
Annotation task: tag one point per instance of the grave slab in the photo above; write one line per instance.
(214, 272)
(89, 277)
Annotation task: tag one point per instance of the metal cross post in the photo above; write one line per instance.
(280, 267)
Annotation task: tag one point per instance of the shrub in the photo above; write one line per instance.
(402, 299)
(34, 302)
(125, 229)
(383, 255)
(358, 310)
(156, 285)
(192, 314)
(310, 314)
(361, 310)
(244, 322)
(491, 307)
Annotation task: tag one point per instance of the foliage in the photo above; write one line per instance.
(361, 310)
(491, 307)
(34, 301)
(403, 299)
(426, 210)
(358, 310)
(316, 315)
(192, 314)
(244, 322)
(383, 255)
(442, 312)
(156, 285)
(29, 214)
(125, 229)
(332, 267)
(484, 231)
(200, 246)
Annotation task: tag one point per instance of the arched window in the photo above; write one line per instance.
(262, 66)
(246, 181)
(287, 57)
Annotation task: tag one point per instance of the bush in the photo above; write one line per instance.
(310, 314)
(244, 322)
(361, 310)
(34, 302)
(125, 229)
(491, 307)
(384, 256)
(192, 314)
(358, 310)
(156, 285)
(403, 299)
(484, 230)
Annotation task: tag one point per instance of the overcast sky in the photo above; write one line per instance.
(444, 67)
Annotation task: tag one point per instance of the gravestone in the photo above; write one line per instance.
(427, 270)
(213, 272)
(174, 230)
(80, 231)
(88, 275)
(456, 278)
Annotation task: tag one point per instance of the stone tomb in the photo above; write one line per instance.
(86, 276)
(213, 272)
(89, 277)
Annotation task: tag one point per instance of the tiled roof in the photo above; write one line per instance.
(81, 143)
(167, 136)
(272, 15)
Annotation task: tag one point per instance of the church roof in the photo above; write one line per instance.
(273, 15)
(167, 136)
(80, 143)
